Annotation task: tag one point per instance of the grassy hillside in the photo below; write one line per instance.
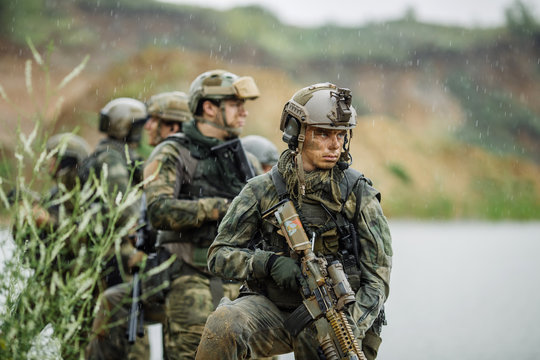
(449, 124)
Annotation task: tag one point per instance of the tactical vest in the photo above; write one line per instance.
(335, 236)
(200, 174)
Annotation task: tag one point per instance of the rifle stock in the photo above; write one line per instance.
(326, 294)
(233, 149)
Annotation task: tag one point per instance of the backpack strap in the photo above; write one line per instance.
(279, 183)
(184, 162)
(347, 184)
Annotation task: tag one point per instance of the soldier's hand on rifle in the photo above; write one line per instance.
(285, 272)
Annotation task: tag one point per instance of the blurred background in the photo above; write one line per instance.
(449, 128)
(447, 94)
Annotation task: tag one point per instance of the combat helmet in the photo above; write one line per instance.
(170, 106)
(70, 146)
(123, 119)
(262, 148)
(72, 151)
(322, 105)
(218, 85)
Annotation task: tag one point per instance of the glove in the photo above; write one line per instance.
(285, 272)
(213, 208)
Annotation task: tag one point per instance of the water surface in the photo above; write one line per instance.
(459, 290)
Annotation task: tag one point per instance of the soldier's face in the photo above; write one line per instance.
(236, 113)
(322, 148)
(155, 132)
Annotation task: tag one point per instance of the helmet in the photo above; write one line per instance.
(123, 119)
(219, 85)
(70, 146)
(170, 106)
(322, 105)
(263, 149)
(72, 151)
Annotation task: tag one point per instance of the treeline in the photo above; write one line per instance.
(256, 29)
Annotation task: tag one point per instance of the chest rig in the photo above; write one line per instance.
(200, 173)
(333, 234)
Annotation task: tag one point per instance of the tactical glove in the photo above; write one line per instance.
(212, 208)
(285, 272)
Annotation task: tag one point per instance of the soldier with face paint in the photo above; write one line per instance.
(343, 219)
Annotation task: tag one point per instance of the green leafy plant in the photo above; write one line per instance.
(50, 277)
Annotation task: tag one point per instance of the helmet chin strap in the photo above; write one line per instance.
(159, 138)
(300, 164)
(231, 132)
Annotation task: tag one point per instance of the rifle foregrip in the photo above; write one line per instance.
(344, 334)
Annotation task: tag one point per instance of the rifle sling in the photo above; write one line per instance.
(279, 183)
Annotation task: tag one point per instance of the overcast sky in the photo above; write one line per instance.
(358, 12)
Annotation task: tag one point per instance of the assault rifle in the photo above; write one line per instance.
(145, 242)
(235, 153)
(325, 296)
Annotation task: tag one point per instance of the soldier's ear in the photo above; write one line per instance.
(209, 108)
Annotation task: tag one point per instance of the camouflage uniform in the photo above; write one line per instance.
(123, 166)
(253, 325)
(122, 120)
(188, 197)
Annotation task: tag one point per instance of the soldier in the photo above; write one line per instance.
(341, 214)
(166, 113)
(189, 196)
(63, 168)
(49, 212)
(122, 120)
(263, 149)
(65, 164)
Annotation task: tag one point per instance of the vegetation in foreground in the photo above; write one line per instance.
(51, 275)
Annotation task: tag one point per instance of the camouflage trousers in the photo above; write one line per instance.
(253, 327)
(188, 304)
(109, 328)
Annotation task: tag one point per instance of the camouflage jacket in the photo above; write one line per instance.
(189, 194)
(233, 256)
(123, 170)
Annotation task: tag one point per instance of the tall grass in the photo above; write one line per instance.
(52, 277)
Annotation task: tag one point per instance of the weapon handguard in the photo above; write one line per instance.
(328, 290)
